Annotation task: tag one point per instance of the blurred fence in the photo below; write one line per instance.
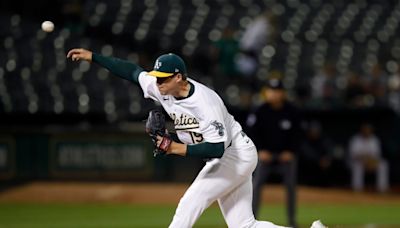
(98, 153)
(124, 152)
(75, 154)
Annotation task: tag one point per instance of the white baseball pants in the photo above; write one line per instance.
(227, 180)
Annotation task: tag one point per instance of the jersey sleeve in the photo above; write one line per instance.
(148, 85)
(214, 129)
(215, 132)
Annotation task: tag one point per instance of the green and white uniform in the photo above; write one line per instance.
(202, 119)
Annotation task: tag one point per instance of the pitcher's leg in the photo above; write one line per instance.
(236, 208)
(236, 205)
(187, 212)
(214, 181)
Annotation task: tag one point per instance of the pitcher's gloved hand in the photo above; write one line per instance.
(155, 126)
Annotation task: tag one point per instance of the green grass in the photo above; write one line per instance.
(24, 215)
(338, 215)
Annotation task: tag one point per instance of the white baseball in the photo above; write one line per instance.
(47, 26)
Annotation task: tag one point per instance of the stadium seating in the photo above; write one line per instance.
(36, 78)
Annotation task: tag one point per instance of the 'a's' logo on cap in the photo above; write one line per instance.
(157, 65)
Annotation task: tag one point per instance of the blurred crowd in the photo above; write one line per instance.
(327, 87)
(235, 56)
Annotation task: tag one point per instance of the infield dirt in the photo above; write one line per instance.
(166, 193)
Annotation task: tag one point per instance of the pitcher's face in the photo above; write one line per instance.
(169, 85)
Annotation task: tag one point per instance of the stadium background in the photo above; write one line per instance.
(64, 122)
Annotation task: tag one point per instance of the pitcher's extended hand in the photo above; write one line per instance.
(77, 54)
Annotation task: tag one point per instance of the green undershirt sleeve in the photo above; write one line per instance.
(206, 150)
(119, 67)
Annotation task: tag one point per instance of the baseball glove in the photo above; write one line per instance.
(155, 125)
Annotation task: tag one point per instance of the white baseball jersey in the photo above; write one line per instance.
(203, 117)
(200, 117)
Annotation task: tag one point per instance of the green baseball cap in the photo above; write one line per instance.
(168, 64)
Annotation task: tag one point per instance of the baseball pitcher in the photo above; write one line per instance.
(204, 129)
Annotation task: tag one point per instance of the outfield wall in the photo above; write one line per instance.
(96, 154)
(124, 152)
